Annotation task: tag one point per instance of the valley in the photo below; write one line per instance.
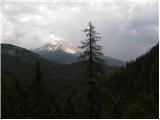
(123, 92)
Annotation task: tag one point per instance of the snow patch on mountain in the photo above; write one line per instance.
(57, 43)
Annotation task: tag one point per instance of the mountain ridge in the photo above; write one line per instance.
(130, 92)
(60, 55)
(23, 65)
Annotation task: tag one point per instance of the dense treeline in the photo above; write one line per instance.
(131, 92)
(135, 88)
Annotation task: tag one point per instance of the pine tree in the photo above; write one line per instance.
(92, 54)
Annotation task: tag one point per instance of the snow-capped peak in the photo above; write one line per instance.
(56, 43)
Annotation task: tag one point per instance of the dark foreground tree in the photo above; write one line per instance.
(92, 54)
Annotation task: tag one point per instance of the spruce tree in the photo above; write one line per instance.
(92, 54)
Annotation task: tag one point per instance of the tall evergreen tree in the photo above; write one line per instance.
(92, 54)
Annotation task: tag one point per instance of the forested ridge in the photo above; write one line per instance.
(130, 92)
(135, 88)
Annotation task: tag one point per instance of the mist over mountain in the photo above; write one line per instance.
(57, 44)
(122, 27)
(58, 51)
(63, 52)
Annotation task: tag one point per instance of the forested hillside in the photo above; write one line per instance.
(135, 88)
(33, 87)
(19, 73)
(130, 92)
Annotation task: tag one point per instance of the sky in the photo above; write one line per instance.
(128, 28)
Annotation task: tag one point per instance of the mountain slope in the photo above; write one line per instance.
(130, 92)
(58, 56)
(20, 63)
(113, 62)
(65, 54)
(142, 71)
(135, 88)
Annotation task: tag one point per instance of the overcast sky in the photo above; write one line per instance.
(128, 29)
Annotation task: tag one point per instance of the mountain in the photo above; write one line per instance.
(131, 91)
(59, 45)
(58, 51)
(141, 74)
(19, 63)
(113, 61)
(59, 55)
(62, 52)
(135, 88)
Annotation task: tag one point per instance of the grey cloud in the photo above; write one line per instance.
(127, 30)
